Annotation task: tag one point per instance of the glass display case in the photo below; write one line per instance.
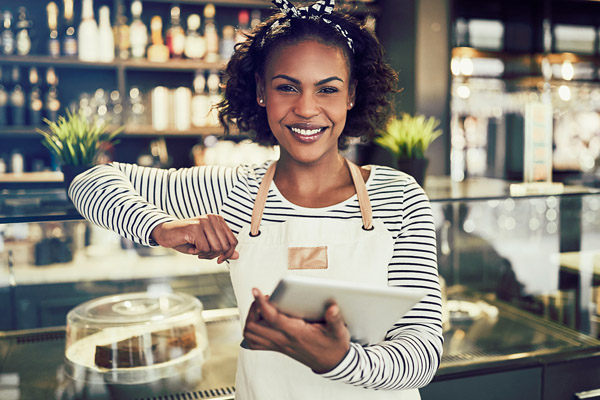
(520, 278)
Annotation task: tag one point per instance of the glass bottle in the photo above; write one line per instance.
(210, 34)
(228, 42)
(106, 39)
(176, 34)
(243, 26)
(17, 99)
(213, 82)
(200, 101)
(195, 45)
(254, 18)
(138, 32)
(7, 37)
(69, 39)
(35, 98)
(3, 101)
(87, 33)
(23, 37)
(122, 34)
(53, 42)
(158, 51)
(51, 103)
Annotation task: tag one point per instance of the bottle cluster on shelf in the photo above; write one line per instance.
(158, 109)
(27, 97)
(194, 36)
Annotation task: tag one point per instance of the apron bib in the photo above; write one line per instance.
(317, 247)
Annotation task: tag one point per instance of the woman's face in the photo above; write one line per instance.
(307, 94)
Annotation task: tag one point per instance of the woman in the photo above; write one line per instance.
(307, 79)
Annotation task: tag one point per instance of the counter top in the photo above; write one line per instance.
(51, 204)
(102, 264)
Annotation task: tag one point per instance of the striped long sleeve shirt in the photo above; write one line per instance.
(133, 200)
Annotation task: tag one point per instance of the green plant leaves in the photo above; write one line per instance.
(410, 136)
(75, 140)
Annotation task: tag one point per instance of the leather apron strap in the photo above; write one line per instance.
(359, 185)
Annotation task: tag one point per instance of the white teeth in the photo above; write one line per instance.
(306, 132)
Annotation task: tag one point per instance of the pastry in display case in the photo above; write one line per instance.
(138, 344)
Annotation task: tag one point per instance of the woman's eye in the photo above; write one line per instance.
(329, 89)
(286, 88)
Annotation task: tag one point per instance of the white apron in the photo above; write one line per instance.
(352, 254)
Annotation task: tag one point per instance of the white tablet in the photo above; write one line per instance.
(368, 311)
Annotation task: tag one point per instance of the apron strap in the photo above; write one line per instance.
(261, 200)
(263, 191)
(363, 196)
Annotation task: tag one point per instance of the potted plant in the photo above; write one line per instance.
(407, 139)
(76, 142)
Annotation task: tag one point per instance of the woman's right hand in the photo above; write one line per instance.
(206, 236)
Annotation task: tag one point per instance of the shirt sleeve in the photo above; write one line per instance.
(411, 352)
(132, 200)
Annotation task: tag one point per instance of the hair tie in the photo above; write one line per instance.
(318, 10)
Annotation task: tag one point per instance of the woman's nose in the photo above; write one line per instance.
(306, 105)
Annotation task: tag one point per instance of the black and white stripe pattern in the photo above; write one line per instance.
(316, 11)
(132, 200)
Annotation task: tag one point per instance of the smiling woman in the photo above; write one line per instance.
(306, 79)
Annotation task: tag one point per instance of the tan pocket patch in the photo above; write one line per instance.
(307, 257)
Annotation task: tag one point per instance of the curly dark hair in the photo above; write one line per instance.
(375, 79)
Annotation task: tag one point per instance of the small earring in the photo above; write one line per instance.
(261, 101)
(351, 104)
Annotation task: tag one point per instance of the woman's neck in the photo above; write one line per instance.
(320, 184)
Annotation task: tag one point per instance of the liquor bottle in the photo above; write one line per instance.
(176, 34)
(157, 52)
(69, 39)
(138, 32)
(7, 37)
(87, 33)
(51, 103)
(35, 98)
(210, 34)
(213, 82)
(200, 101)
(122, 34)
(254, 19)
(195, 45)
(17, 99)
(243, 26)
(3, 102)
(53, 42)
(228, 42)
(182, 100)
(23, 37)
(137, 111)
(106, 38)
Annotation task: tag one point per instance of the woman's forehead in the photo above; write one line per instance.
(307, 57)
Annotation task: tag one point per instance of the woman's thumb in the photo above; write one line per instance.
(334, 320)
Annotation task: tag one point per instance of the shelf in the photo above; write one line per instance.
(73, 62)
(219, 3)
(149, 131)
(32, 177)
(28, 131)
(22, 131)
(171, 65)
(555, 58)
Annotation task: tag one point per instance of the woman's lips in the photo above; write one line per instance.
(307, 134)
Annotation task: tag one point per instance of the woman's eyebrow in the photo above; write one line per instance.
(296, 81)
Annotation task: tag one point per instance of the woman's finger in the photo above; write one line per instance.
(207, 239)
(218, 227)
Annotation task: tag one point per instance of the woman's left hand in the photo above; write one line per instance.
(320, 346)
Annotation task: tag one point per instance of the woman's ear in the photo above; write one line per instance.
(352, 94)
(260, 90)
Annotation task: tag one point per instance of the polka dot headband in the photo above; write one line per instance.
(319, 10)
